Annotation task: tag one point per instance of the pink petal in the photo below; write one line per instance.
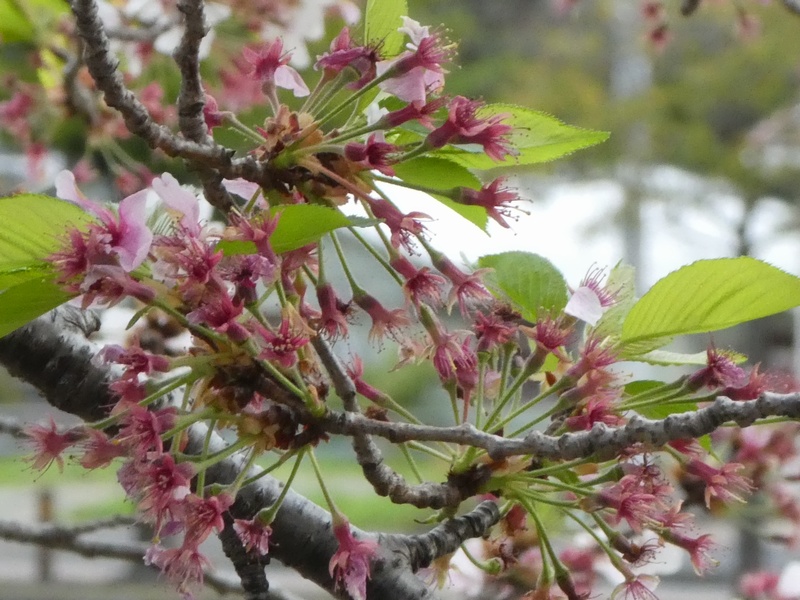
(585, 305)
(137, 237)
(287, 78)
(180, 200)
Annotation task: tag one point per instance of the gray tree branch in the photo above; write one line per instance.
(60, 367)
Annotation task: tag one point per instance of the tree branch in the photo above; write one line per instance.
(385, 480)
(62, 370)
(601, 443)
(191, 98)
(103, 67)
(68, 539)
(446, 538)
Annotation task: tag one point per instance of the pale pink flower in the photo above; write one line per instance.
(417, 72)
(699, 549)
(179, 200)
(591, 298)
(384, 321)
(270, 66)
(125, 236)
(99, 450)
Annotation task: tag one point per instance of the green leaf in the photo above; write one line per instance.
(381, 22)
(298, 225)
(236, 247)
(666, 358)
(302, 224)
(14, 23)
(640, 386)
(444, 175)
(537, 136)
(709, 295)
(24, 302)
(34, 227)
(529, 281)
(661, 411)
(621, 282)
(20, 19)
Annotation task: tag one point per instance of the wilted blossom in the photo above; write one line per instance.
(464, 125)
(49, 444)
(724, 483)
(639, 587)
(350, 564)
(184, 567)
(720, 370)
(253, 534)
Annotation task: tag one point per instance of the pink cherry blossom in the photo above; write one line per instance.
(344, 54)
(421, 285)
(417, 72)
(639, 587)
(99, 450)
(184, 567)
(333, 318)
(491, 197)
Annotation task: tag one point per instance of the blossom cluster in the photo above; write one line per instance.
(257, 308)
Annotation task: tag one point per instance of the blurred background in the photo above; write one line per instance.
(703, 161)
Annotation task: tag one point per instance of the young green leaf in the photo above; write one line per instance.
(34, 227)
(666, 358)
(24, 302)
(538, 138)
(709, 295)
(381, 22)
(433, 173)
(529, 281)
